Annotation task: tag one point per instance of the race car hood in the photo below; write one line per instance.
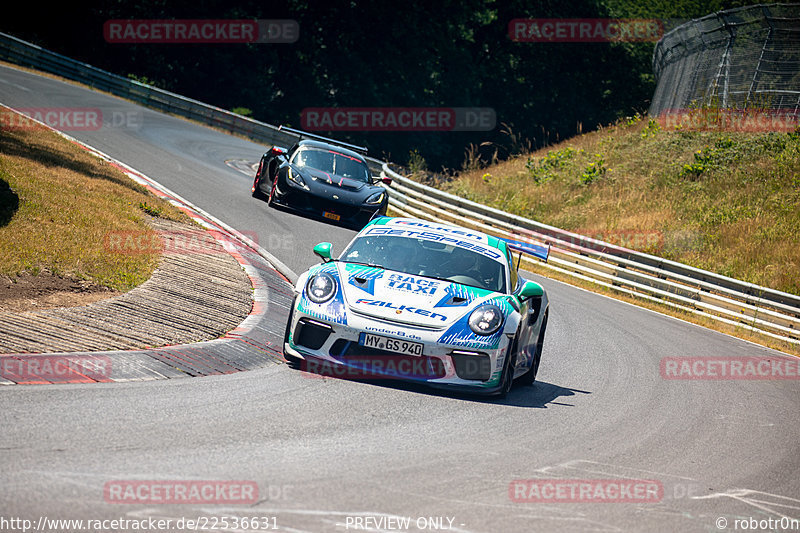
(333, 180)
(399, 297)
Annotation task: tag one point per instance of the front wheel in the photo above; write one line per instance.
(257, 181)
(507, 378)
(292, 360)
(530, 376)
(271, 200)
(257, 192)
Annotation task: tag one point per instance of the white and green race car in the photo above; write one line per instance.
(416, 300)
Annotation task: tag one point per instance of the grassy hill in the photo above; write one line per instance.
(721, 201)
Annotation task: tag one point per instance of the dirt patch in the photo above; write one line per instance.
(46, 290)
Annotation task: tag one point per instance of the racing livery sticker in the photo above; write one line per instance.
(457, 295)
(460, 334)
(363, 276)
(412, 284)
(401, 307)
(459, 241)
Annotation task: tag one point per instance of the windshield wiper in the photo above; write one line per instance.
(365, 264)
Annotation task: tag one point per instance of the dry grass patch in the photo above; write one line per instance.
(59, 204)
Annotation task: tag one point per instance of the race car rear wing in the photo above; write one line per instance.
(530, 248)
(305, 135)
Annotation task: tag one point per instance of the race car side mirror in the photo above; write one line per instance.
(386, 180)
(323, 250)
(529, 290)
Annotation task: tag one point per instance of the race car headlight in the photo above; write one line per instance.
(296, 178)
(486, 319)
(376, 198)
(320, 288)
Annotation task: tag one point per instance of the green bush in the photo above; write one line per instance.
(542, 170)
(596, 169)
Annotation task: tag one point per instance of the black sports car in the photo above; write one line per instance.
(322, 177)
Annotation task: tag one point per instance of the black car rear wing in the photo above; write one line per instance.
(305, 135)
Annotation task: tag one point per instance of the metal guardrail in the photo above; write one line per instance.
(721, 298)
(728, 300)
(26, 54)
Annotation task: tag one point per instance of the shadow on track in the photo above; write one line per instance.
(539, 396)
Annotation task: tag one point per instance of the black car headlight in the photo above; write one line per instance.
(486, 319)
(320, 288)
(376, 198)
(296, 178)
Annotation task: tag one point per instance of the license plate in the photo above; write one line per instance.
(332, 216)
(390, 345)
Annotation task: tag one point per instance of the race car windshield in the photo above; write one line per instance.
(420, 257)
(332, 163)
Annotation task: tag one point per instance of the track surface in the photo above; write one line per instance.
(326, 451)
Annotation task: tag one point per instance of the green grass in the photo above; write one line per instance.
(59, 204)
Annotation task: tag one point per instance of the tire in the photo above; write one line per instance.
(290, 359)
(256, 190)
(258, 194)
(271, 199)
(507, 379)
(529, 377)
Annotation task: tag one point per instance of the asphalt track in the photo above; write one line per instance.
(327, 452)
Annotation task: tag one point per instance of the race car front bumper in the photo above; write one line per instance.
(291, 196)
(337, 350)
